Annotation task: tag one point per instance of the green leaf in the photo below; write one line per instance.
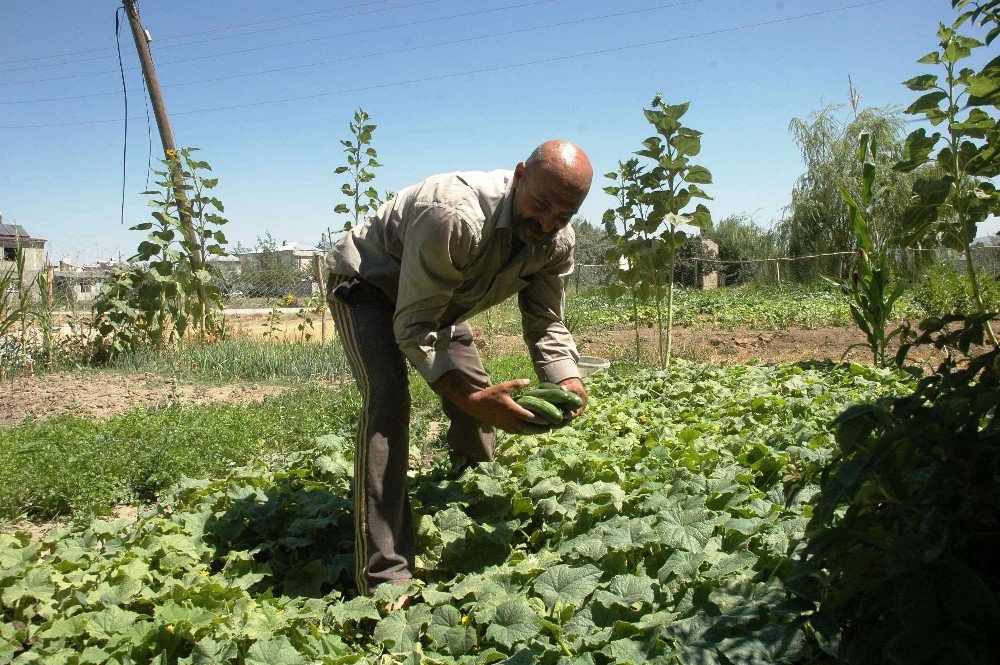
(514, 622)
(922, 82)
(687, 145)
(699, 175)
(926, 102)
(916, 150)
(356, 609)
(277, 650)
(630, 591)
(567, 584)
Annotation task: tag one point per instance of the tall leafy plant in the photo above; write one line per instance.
(950, 201)
(622, 255)
(362, 158)
(667, 189)
(871, 290)
(163, 294)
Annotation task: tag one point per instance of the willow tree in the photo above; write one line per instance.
(818, 220)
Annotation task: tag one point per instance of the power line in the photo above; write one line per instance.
(440, 77)
(194, 34)
(240, 34)
(380, 53)
(296, 42)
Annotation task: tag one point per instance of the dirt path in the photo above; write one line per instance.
(715, 346)
(101, 394)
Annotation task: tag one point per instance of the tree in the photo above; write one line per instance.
(741, 239)
(265, 272)
(818, 220)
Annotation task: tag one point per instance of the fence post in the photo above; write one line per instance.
(318, 267)
(576, 278)
(777, 270)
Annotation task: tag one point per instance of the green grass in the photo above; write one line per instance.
(69, 465)
(241, 360)
(756, 307)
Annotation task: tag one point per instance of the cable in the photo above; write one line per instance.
(241, 34)
(615, 49)
(297, 42)
(194, 34)
(380, 53)
(118, 41)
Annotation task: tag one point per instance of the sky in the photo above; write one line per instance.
(452, 85)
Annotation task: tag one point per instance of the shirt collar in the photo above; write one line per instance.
(505, 212)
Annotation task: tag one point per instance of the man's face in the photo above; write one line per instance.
(543, 205)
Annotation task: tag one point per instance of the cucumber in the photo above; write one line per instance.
(551, 413)
(564, 399)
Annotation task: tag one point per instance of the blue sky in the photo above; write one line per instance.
(275, 161)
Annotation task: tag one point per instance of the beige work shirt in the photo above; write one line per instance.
(440, 250)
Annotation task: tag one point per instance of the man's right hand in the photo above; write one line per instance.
(493, 405)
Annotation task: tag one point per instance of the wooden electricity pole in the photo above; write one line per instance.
(141, 38)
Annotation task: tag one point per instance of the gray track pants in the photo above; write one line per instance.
(383, 520)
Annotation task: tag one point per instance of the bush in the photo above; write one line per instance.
(943, 290)
(899, 550)
(741, 239)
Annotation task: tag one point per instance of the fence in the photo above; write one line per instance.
(779, 269)
(305, 287)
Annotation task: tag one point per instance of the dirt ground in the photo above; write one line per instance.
(103, 394)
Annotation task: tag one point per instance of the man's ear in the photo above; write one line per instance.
(518, 173)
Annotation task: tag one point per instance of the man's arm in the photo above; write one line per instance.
(549, 342)
(436, 246)
(492, 405)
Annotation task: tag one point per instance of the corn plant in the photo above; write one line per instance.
(871, 289)
(361, 159)
(951, 199)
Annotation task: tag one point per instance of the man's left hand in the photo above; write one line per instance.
(575, 385)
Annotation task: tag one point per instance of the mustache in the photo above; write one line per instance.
(537, 229)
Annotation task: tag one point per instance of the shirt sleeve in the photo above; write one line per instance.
(550, 343)
(437, 244)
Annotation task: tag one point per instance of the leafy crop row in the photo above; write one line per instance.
(657, 529)
(757, 307)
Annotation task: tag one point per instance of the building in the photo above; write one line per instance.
(291, 254)
(14, 237)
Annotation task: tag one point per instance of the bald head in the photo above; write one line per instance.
(564, 161)
(549, 188)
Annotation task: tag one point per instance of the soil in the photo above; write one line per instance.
(104, 394)
(719, 346)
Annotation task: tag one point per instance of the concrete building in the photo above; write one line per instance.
(14, 237)
(294, 254)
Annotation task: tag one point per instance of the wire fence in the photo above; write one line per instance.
(299, 282)
(710, 272)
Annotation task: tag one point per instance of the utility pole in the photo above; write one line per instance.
(142, 39)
